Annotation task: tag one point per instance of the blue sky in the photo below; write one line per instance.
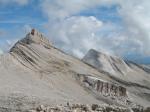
(117, 28)
(13, 16)
(104, 13)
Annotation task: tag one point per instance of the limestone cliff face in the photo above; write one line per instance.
(109, 89)
(105, 88)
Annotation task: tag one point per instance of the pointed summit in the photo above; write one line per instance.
(26, 50)
(33, 37)
(36, 37)
(102, 61)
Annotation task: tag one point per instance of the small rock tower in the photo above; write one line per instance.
(32, 31)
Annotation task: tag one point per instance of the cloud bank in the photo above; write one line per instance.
(1, 52)
(77, 34)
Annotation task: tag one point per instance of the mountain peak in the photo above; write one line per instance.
(35, 37)
(93, 51)
(106, 62)
(99, 53)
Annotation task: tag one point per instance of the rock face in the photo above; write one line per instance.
(110, 89)
(104, 87)
(35, 72)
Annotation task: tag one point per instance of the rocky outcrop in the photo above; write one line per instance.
(110, 89)
(34, 37)
(104, 87)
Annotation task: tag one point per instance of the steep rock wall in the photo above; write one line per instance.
(104, 88)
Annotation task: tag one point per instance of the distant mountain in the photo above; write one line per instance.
(35, 73)
(141, 60)
(117, 67)
(108, 63)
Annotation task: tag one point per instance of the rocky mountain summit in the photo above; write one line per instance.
(118, 68)
(112, 64)
(35, 73)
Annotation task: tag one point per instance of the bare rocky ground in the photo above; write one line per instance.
(87, 108)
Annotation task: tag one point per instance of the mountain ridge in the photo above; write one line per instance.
(34, 72)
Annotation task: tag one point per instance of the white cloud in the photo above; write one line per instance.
(1, 52)
(19, 2)
(58, 9)
(81, 33)
(27, 28)
(7, 40)
(75, 34)
(136, 14)
(78, 34)
(6, 45)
